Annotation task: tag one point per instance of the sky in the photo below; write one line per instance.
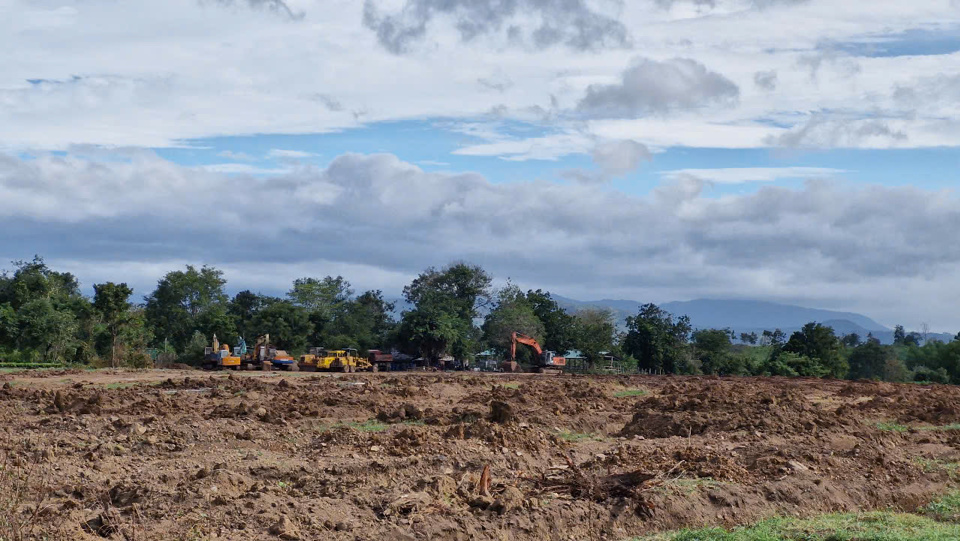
(797, 151)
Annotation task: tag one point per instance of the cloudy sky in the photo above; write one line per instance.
(656, 150)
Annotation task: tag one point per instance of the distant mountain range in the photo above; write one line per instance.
(749, 316)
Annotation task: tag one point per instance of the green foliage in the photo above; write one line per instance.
(559, 327)
(287, 324)
(875, 526)
(513, 313)
(189, 301)
(446, 303)
(819, 344)
(657, 340)
(935, 361)
(321, 297)
(630, 393)
(596, 333)
(712, 347)
(945, 509)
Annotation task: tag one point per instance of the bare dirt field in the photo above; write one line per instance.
(397, 456)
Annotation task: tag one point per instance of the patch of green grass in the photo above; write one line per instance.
(942, 428)
(946, 509)
(630, 392)
(936, 465)
(117, 385)
(876, 526)
(511, 385)
(892, 427)
(367, 426)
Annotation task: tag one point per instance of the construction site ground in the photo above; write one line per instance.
(184, 454)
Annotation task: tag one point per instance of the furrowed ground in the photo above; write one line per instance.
(194, 455)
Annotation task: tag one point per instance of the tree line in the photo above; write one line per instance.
(451, 311)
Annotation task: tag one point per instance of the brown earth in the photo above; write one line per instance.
(194, 455)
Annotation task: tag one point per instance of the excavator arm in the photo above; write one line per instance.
(518, 338)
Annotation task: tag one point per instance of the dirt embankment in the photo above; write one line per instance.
(406, 456)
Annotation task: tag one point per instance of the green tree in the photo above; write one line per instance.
(596, 333)
(851, 340)
(513, 313)
(868, 361)
(188, 301)
(749, 338)
(49, 331)
(657, 340)
(365, 322)
(819, 343)
(287, 324)
(110, 300)
(559, 327)
(242, 308)
(899, 335)
(320, 296)
(713, 348)
(446, 302)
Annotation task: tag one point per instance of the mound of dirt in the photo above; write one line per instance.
(720, 407)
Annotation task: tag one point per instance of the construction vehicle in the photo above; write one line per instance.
(313, 359)
(265, 356)
(218, 356)
(349, 360)
(379, 360)
(548, 361)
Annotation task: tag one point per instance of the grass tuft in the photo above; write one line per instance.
(630, 392)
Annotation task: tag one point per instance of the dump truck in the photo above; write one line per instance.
(380, 361)
(218, 356)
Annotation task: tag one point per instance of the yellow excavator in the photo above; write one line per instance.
(218, 356)
(265, 356)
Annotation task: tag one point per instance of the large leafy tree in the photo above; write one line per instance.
(187, 301)
(446, 302)
(869, 361)
(287, 324)
(110, 300)
(512, 313)
(364, 322)
(559, 327)
(818, 342)
(596, 333)
(657, 340)
(713, 348)
(42, 312)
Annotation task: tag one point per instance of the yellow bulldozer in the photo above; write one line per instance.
(334, 360)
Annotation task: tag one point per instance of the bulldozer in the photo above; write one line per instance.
(218, 356)
(548, 361)
(351, 361)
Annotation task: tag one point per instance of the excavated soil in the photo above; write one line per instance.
(405, 456)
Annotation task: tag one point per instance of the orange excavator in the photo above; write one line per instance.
(549, 361)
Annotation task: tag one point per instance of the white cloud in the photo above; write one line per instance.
(289, 154)
(738, 175)
(877, 249)
(183, 69)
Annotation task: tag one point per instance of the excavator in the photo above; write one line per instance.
(549, 362)
(218, 356)
(265, 356)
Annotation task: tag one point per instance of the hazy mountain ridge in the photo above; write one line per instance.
(750, 316)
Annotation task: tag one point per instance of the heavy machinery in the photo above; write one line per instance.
(379, 360)
(265, 356)
(335, 360)
(313, 360)
(218, 356)
(349, 360)
(549, 361)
